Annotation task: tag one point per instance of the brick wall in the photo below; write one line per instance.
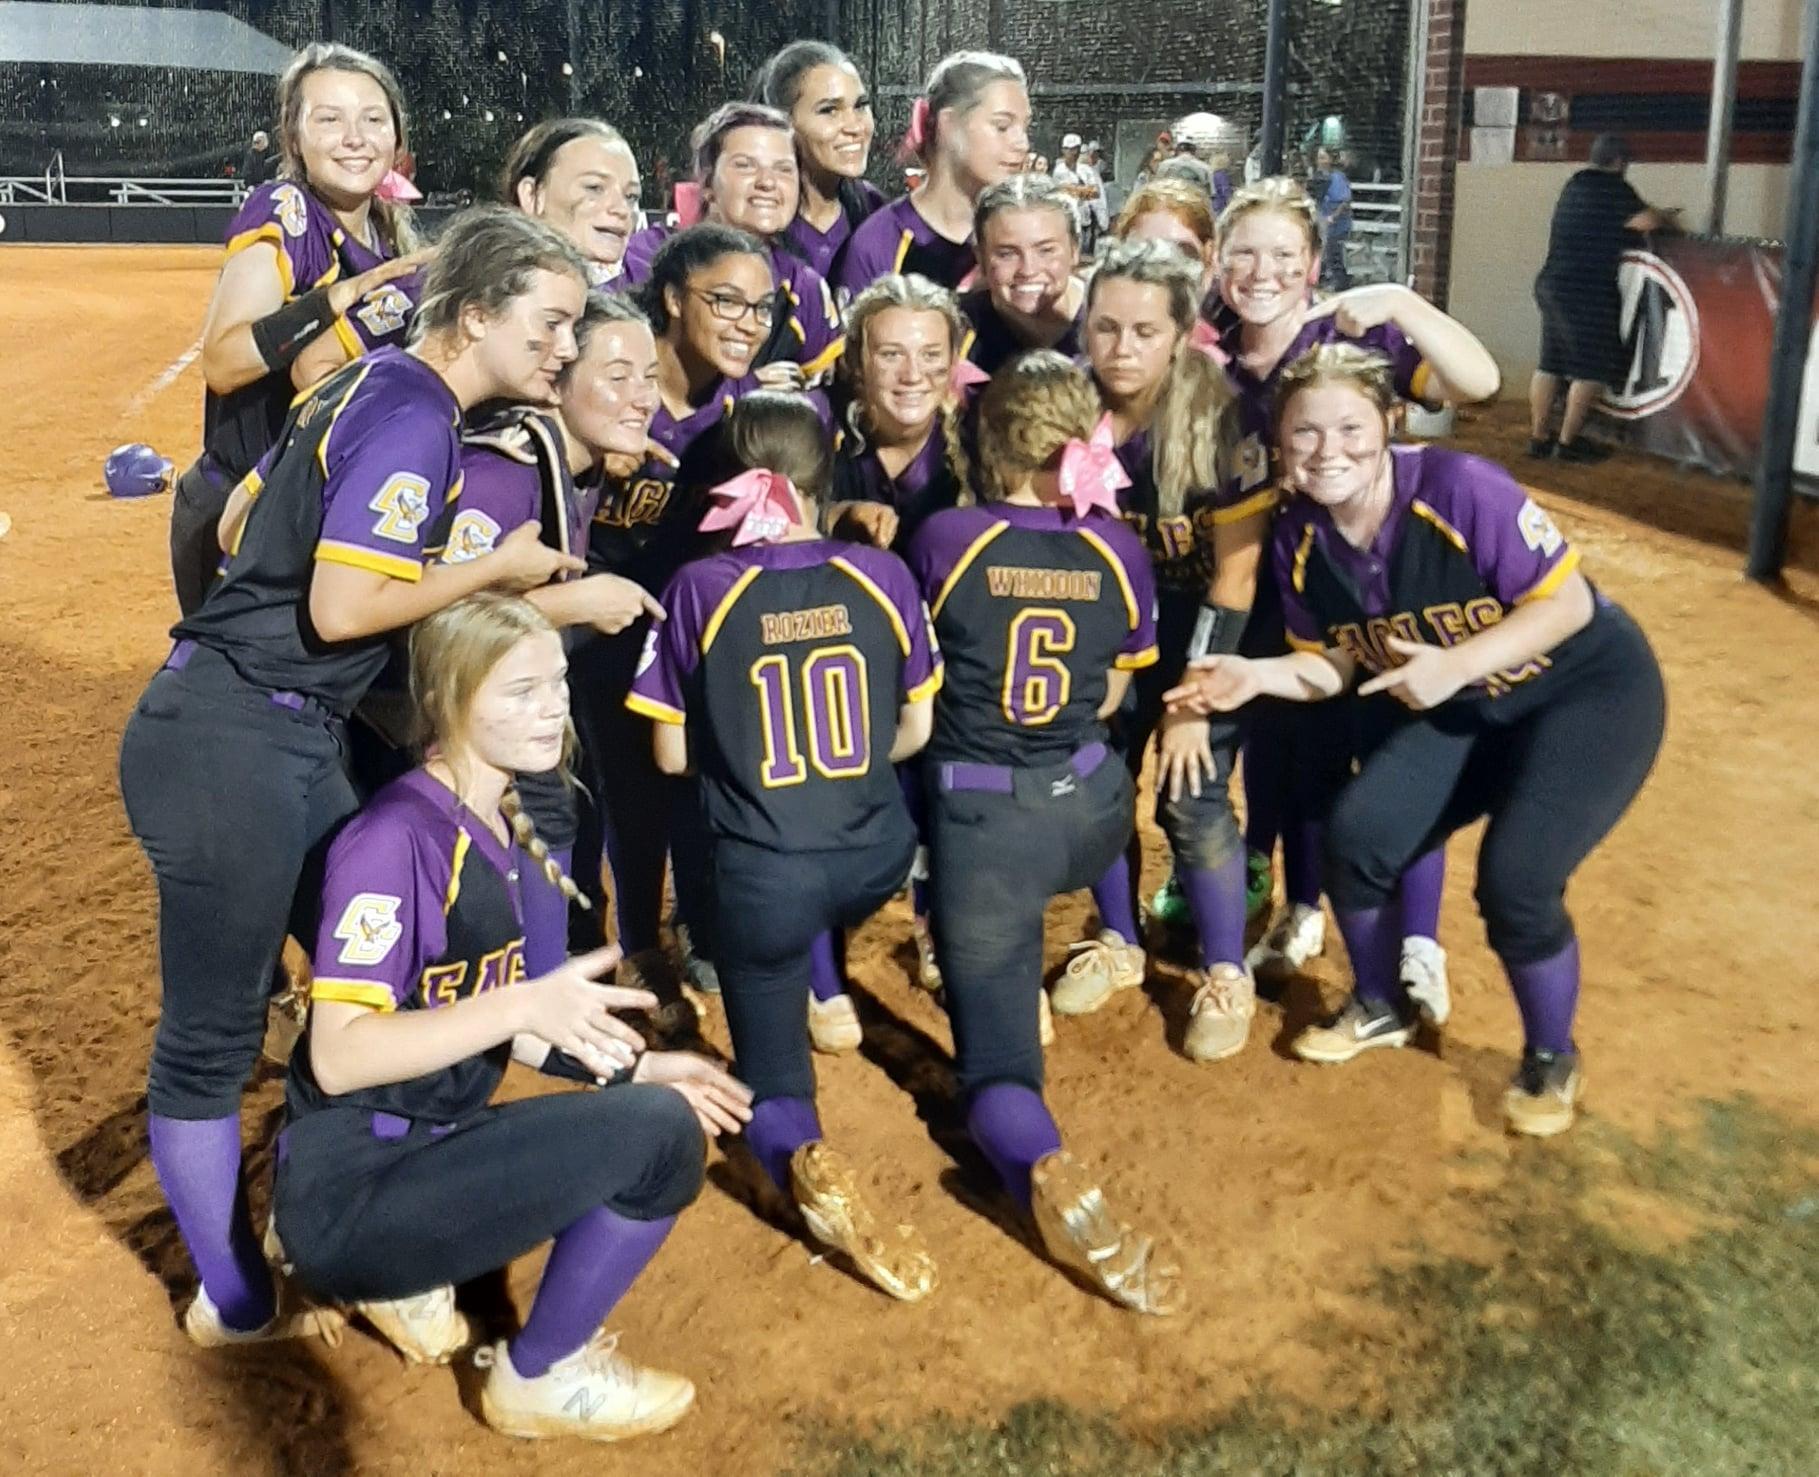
(1437, 147)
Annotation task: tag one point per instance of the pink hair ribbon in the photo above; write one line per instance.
(964, 375)
(759, 506)
(689, 208)
(915, 141)
(397, 187)
(1090, 472)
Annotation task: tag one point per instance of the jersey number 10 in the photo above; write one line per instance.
(832, 724)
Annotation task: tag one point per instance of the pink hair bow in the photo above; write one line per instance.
(915, 141)
(1090, 472)
(964, 375)
(759, 506)
(689, 208)
(397, 187)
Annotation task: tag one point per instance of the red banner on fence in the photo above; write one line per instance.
(1698, 321)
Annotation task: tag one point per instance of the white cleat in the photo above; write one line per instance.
(1294, 938)
(833, 1025)
(1423, 976)
(425, 1329)
(595, 1393)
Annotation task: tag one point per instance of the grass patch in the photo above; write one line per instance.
(1584, 1348)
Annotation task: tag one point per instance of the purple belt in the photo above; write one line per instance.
(1001, 779)
(296, 702)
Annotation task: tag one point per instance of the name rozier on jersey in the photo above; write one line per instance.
(805, 625)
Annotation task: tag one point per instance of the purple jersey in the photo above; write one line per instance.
(991, 341)
(1032, 607)
(1181, 545)
(859, 200)
(514, 470)
(361, 475)
(1463, 545)
(788, 663)
(312, 251)
(420, 909)
(898, 239)
(926, 484)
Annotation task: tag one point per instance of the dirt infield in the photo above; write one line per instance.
(1287, 1185)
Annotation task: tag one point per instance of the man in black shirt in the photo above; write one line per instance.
(1581, 338)
(258, 164)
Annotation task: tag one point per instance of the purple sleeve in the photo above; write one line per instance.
(390, 471)
(1139, 648)
(1410, 371)
(922, 667)
(497, 494)
(1292, 539)
(817, 322)
(1517, 549)
(280, 213)
(640, 249)
(381, 914)
(869, 255)
(382, 316)
(672, 651)
(939, 545)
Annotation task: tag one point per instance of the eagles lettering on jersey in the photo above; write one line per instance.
(1182, 546)
(363, 471)
(1462, 546)
(1032, 607)
(420, 910)
(789, 663)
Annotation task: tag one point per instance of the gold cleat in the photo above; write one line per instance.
(828, 1195)
(1081, 1234)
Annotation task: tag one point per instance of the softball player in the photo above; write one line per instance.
(745, 160)
(522, 465)
(1173, 210)
(578, 175)
(969, 129)
(1170, 417)
(1269, 251)
(329, 537)
(1028, 241)
(792, 672)
(820, 90)
(1042, 601)
(1497, 683)
(397, 1177)
(313, 258)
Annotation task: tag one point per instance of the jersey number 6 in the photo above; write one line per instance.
(1036, 681)
(836, 716)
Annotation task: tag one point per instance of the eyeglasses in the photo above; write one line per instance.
(729, 308)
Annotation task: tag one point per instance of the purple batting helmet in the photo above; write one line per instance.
(137, 471)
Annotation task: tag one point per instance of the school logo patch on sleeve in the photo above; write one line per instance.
(291, 208)
(402, 505)
(369, 928)
(471, 535)
(1538, 530)
(1253, 463)
(384, 311)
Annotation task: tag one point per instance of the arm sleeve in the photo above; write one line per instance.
(390, 476)
(372, 944)
(1517, 549)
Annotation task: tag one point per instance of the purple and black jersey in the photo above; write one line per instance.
(361, 474)
(420, 909)
(789, 663)
(313, 251)
(1032, 607)
(1463, 545)
(643, 524)
(514, 470)
(898, 239)
(993, 343)
(822, 250)
(1181, 545)
(925, 486)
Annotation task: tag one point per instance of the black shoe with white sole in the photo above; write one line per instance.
(1362, 1025)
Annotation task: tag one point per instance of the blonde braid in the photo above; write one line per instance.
(524, 831)
(957, 460)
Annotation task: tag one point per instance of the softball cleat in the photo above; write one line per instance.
(1082, 1235)
(596, 1393)
(294, 1319)
(928, 971)
(1544, 1098)
(1097, 970)
(1423, 976)
(1219, 1020)
(1361, 1026)
(833, 1207)
(833, 1025)
(426, 1329)
(1296, 937)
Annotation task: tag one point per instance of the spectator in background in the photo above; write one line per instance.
(1598, 214)
(1332, 195)
(259, 163)
(1098, 216)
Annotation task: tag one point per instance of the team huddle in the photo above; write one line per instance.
(583, 618)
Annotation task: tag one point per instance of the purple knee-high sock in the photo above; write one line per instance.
(1418, 895)
(1012, 1126)
(1215, 896)
(1547, 994)
(779, 1127)
(545, 914)
(198, 1164)
(826, 977)
(591, 1266)
(1302, 860)
(1113, 897)
(1373, 938)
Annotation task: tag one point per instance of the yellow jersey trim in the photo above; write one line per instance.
(826, 359)
(354, 992)
(974, 550)
(1250, 507)
(928, 687)
(725, 607)
(1133, 661)
(334, 415)
(649, 707)
(1124, 580)
(903, 245)
(870, 587)
(462, 842)
(1427, 514)
(271, 231)
(1421, 381)
(1300, 643)
(393, 566)
(1550, 582)
(1298, 576)
(350, 341)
